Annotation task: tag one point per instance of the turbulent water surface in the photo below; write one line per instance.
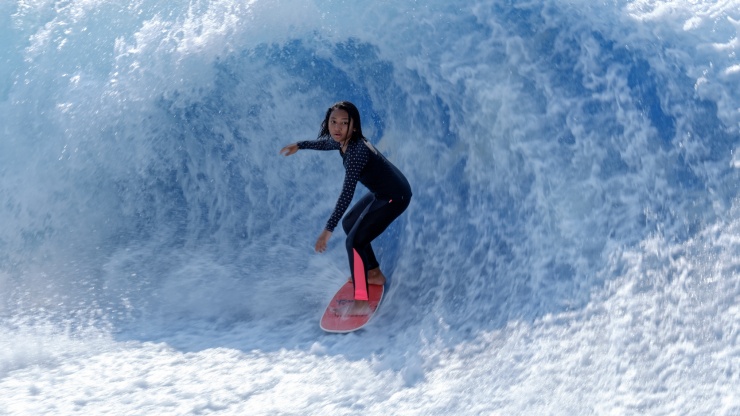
(572, 247)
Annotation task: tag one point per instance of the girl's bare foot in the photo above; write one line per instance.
(375, 277)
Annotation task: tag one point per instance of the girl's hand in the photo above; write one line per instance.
(289, 149)
(321, 242)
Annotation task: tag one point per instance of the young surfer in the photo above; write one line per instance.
(389, 195)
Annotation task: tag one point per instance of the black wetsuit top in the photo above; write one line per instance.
(363, 163)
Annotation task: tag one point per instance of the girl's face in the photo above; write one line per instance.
(340, 125)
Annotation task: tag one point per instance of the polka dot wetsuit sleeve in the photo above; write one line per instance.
(325, 144)
(354, 162)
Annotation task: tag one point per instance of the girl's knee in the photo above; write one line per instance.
(349, 244)
(346, 225)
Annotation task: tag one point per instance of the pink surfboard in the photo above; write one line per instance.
(343, 316)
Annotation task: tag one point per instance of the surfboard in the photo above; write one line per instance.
(342, 315)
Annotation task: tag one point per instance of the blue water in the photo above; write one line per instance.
(574, 168)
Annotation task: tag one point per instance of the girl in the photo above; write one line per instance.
(389, 195)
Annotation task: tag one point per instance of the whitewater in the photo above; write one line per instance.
(572, 247)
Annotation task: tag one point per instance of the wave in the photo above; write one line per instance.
(543, 140)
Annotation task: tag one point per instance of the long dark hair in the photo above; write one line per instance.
(354, 115)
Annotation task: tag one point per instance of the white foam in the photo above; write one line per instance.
(570, 247)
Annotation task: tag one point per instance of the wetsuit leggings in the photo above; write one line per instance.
(363, 223)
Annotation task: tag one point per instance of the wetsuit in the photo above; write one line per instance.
(390, 194)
